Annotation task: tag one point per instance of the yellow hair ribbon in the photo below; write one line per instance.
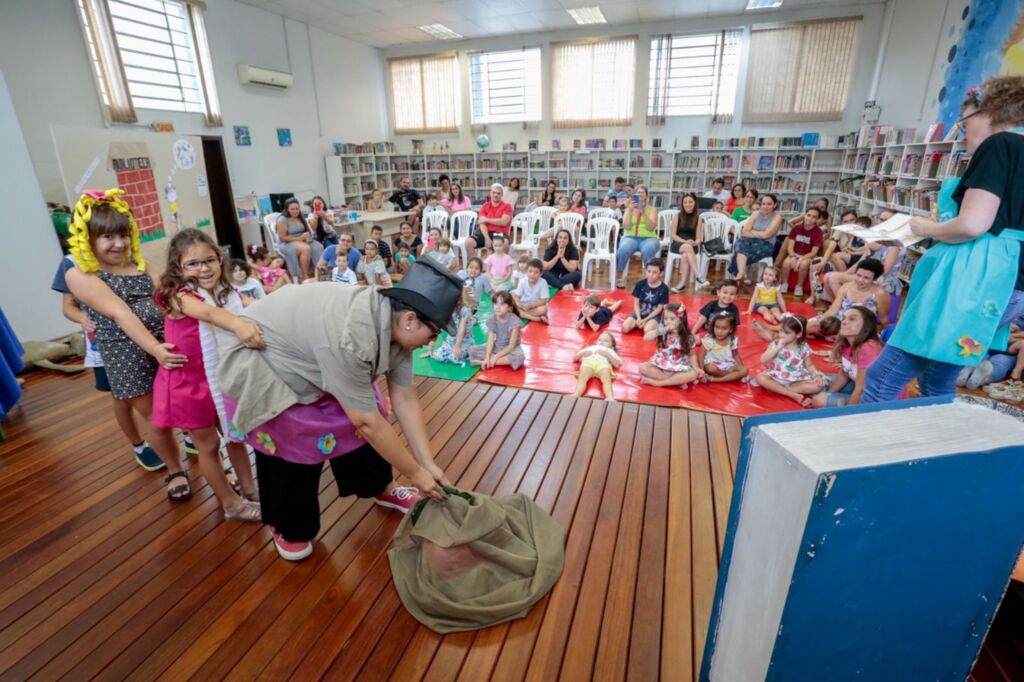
(81, 248)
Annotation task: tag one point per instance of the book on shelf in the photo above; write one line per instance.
(636, 143)
(695, 142)
(810, 139)
(656, 143)
(934, 133)
(556, 145)
(954, 133)
(895, 230)
(764, 163)
(533, 145)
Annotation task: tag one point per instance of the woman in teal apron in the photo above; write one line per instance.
(970, 284)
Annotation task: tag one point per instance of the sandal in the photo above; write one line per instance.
(250, 511)
(179, 493)
(229, 472)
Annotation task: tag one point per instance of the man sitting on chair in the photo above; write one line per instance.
(494, 216)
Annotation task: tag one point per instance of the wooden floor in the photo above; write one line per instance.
(101, 577)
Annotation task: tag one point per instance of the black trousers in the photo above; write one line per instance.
(561, 280)
(289, 492)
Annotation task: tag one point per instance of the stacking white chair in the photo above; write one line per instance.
(433, 217)
(665, 220)
(531, 207)
(463, 223)
(524, 233)
(601, 247)
(716, 226)
(270, 228)
(545, 213)
(571, 221)
(601, 212)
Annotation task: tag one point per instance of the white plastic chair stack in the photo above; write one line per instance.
(524, 233)
(717, 226)
(463, 223)
(569, 221)
(435, 217)
(602, 247)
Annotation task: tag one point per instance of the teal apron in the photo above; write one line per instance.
(957, 297)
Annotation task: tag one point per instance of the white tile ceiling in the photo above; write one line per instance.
(386, 23)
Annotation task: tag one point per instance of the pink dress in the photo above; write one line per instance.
(182, 397)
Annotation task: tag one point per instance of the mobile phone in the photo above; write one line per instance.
(318, 205)
(431, 242)
(636, 198)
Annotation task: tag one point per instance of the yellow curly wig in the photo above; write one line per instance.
(81, 248)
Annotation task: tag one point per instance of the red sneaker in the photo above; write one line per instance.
(292, 551)
(401, 498)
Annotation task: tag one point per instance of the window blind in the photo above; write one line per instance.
(425, 94)
(505, 85)
(692, 75)
(592, 82)
(800, 72)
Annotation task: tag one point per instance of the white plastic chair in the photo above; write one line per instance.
(717, 226)
(573, 222)
(433, 217)
(531, 207)
(602, 247)
(463, 223)
(545, 213)
(270, 228)
(525, 236)
(601, 212)
(665, 220)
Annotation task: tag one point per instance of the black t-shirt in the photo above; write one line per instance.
(997, 166)
(650, 298)
(415, 244)
(713, 308)
(571, 254)
(405, 200)
(601, 317)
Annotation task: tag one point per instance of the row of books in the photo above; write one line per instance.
(807, 140)
(364, 148)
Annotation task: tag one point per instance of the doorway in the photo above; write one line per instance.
(222, 199)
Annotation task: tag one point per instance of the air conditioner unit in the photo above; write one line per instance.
(257, 75)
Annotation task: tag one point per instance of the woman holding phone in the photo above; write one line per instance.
(639, 233)
(321, 220)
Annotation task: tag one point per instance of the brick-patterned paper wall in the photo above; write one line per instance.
(140, 192)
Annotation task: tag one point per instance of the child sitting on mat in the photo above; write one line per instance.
(473, 276)
(766, 299)
(675, 361)
(503, 331)
(519, 274)
(596, 312)
(599, 360)
(650, 298)
(787, 364)
(271, 269)
(726, 295)
(719, 351)
(453, 349)
(531, 296)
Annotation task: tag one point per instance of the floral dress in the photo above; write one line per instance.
(446, 351)
(789, 366)
(671, 358)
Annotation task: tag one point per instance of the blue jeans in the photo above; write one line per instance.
(1002, 365)
(649, 247)
(892, 371)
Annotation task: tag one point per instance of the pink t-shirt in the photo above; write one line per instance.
(866, 354)
(454, 206)
(489, 210)
(498, 265)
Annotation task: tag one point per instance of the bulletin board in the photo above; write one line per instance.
(163, 175)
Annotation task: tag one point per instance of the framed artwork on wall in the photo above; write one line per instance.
(284, 137)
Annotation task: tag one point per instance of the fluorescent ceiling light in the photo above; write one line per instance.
(763, 4)
(587, 15)
(439, 31)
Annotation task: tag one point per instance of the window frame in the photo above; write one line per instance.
(538, 78)
(658, 113)
(456, 94)
(626, 119)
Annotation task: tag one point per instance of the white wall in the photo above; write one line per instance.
(30, 254)
(43, 50)
(681, 127)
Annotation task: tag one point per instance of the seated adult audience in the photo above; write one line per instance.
(548, 197)
(494, 216)
(562, 262)
(718, 191)
(687, 234)
(408, 199)
(639, 233)
(345, 248)
(321, 221)
(616, 196)
(578, 202)
(736, 196)
(409, 238)
(297, 243)
(456, 201)
(511, 196)
(444, 185)
(757, 238)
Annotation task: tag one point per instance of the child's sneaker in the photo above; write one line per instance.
(965, 374)
(190, 448)
(292, 551)
(798, 292)
(147, 458)
(980, 375)
(401, 498)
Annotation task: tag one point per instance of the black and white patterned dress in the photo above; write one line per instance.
(130, 369)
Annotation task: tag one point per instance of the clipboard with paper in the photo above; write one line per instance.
(895, 230)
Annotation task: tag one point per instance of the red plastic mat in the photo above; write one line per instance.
(549, 366)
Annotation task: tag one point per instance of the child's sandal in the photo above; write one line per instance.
(181, 492)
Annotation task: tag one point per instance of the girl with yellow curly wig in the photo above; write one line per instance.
(115, 290)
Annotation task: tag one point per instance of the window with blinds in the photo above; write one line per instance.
(693, 75)
(592, 82)
(800, 72)
(155, 43)
(505, 85)
(425, 94)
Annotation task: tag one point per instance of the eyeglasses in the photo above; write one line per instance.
(960, 121)
(194, 265)
(435, 331)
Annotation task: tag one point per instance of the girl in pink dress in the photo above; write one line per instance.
(787, 364)
(196, 297)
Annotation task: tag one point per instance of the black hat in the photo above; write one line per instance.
(431, 290)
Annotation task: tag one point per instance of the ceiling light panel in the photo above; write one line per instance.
(587, 15)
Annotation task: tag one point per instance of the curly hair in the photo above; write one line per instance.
(100, 212)
(1001, 97)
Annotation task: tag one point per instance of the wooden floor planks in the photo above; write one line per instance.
(102, 578)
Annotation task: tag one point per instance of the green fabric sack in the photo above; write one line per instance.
(474, 561)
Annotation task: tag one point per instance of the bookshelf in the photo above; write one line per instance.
(797, 174)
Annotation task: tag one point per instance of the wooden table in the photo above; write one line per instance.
(364, 222)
